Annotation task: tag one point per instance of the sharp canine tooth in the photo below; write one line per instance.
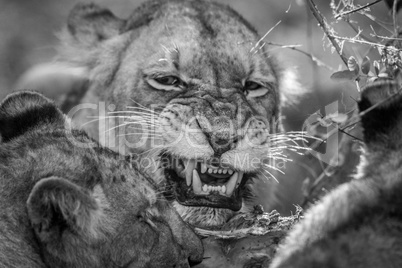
(239, 178)
(196, 182)
(203, 168)
(230, 185)
(189, 167)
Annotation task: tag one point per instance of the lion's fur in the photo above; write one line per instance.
(208, 45)
(359, 224)
(66, 205)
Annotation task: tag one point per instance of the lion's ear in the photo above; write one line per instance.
(56, 205)
(23, 111)
(90, 24)
(380, 107)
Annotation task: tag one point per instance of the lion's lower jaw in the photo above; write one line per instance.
(203, 216)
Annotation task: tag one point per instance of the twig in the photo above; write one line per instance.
(359, 32)
(326, 30)
(357, 9)
(363, 42)
(383, 24)
(386, 37)
(312, 57)
(280, 225)
(350, 135)
(264, 36)
(394, 11)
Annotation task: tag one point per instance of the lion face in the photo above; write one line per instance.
(192, 88)
(79, 206)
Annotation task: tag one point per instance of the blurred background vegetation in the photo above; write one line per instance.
(28, 37)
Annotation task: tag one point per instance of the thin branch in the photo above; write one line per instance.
(360, 33)
(383, 24)
(311, 57)
(325, 28)
(357, 9)
(394, 12)
(263, 37)
(363, 42)
(350, 135)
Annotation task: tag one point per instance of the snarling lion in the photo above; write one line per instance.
(190, 91)
(64, 204)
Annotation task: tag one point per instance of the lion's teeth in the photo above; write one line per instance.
(230, 171)
(239, 178)
(203, 168)
(220, 171)
(230, 185)
(189, 167)
(224, 171)
(196, 182)
(205, 188)
(223, 189)
(209, 170)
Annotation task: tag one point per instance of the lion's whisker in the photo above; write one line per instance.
(155, 149)
(146, 129)
(274, 168)
(136, 103)
(133, 134)
(151, 111)
(264, 170)
(112, 128)
(150, 115)
(148, 124)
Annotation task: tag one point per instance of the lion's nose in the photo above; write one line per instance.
(194, 262)
(222, 143)
(220, 132)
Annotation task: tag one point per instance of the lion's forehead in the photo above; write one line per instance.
(209, 19)
(203, 42)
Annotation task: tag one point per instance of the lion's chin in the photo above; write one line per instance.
(196, 184)
(204, 217)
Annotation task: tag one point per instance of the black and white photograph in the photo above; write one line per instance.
(200, 133)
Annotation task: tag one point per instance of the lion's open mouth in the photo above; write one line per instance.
(200, 183)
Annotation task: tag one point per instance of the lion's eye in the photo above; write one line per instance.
(168, 83)
(168, 80)
(253, 89)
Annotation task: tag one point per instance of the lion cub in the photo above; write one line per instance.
(359, 224)
(65, 201)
